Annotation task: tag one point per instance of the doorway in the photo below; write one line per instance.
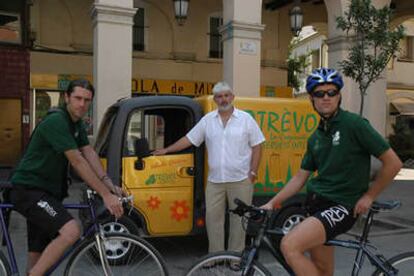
(10, 132)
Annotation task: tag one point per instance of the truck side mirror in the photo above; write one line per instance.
(141, 150)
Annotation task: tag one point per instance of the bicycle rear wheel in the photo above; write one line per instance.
(138, 257)
(4, 265)
(225, 264)
(403, 262)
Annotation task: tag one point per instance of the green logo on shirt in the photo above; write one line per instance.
(335, 138)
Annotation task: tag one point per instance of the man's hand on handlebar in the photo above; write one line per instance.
(271, 205)
(114, 205)
(267, 206)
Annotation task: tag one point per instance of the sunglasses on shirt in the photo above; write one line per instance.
(321, 93)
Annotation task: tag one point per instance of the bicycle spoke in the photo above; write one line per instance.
(133, 257)
(224, 264)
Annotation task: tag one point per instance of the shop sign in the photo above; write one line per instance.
(153, 86)
(187, 88)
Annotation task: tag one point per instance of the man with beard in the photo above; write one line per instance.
(233, 140)
(339, 151)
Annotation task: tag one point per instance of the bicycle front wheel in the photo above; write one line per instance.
(224, 264)
(403, 262)
(4, 265)
(125, 255)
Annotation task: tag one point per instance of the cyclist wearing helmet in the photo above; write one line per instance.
(339, 151)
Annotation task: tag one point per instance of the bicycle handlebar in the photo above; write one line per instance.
(123, 199)
(126, 199)
(242, 208)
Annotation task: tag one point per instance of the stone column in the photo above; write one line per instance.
(339, 43)
(112, 54)
(242, 34)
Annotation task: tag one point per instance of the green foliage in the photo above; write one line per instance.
(402, 141)
(375, 44)
(295, 66)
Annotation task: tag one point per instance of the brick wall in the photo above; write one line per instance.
(15, 80)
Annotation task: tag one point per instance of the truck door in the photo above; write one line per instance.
(163, 186)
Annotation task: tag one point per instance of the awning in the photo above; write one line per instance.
(403, 108)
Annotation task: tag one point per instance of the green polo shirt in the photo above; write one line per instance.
(340, 151)
(44, 164)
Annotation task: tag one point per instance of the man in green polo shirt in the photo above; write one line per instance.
(339, 151)
(40, 180)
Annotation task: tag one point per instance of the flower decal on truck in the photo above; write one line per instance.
(179, 210)
(153, 202)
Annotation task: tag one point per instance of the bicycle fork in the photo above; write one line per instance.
(247, 259)
(100, 242)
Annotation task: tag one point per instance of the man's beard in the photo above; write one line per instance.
(226, 107)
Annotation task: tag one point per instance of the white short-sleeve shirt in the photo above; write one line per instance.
(230, 147)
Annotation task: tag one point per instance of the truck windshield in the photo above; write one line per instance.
(101, 144)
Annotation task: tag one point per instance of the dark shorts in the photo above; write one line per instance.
(336, 218)
(44, 213)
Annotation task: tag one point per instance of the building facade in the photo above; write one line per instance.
(137, 47)
(400, 86)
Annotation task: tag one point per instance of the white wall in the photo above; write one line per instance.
(401, 72)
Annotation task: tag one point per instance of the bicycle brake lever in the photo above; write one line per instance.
(127, 203)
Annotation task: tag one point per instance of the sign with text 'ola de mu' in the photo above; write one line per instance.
(187, 88)
(195, 88)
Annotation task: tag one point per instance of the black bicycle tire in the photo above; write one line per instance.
(142, 242)
(225, 254)
(5, 264)
(396, 259)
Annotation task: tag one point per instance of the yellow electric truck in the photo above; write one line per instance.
(169, 190)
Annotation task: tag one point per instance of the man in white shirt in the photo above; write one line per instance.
(233, 140)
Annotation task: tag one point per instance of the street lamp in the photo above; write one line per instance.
(181, 10)
(296, 19)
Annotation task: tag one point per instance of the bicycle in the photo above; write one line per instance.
(96, 252)
(246, 263)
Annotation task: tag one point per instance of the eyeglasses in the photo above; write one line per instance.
(321, 93)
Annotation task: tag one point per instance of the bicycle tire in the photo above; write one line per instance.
(219, 263)
(4, 265)
(404, 262)
(143, 258)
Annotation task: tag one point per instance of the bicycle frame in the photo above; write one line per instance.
(362, 248)
(362, 251)
(362, 245)
(94, 228)
(277, 254)
(262, 238)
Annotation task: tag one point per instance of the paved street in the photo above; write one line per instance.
(394, 234)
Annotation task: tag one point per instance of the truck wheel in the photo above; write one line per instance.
(287, 218)
(124, 225)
